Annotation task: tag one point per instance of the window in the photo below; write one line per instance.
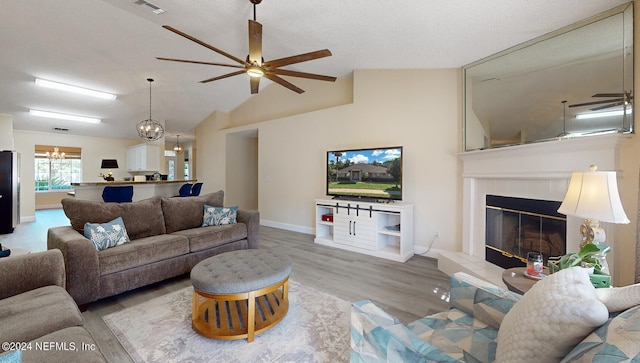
(172, 169)
(57, 174)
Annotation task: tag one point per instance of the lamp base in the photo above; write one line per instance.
(591, 232)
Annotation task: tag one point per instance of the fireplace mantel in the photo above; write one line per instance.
(551, 159)
(536, 171)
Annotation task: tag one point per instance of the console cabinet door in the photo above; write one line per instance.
(355, 230)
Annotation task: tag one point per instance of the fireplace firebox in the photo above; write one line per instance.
(515, 226)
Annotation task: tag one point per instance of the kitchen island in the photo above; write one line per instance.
(141, 190)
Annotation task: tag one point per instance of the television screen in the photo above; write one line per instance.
(365, 173)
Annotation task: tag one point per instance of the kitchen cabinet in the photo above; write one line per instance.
(143, 157)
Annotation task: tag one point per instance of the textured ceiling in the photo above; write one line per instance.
(111, 45)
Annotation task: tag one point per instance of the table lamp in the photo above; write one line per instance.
(594, 196)
(108, 164)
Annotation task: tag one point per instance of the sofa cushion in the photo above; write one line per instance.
(77, 346)
(481, 299)
(379, 337)
(615, 341)
(142, 218)
(201, 238)
(37, 312)
(106, 235)
(186, 213)
(458, 335)
(551, 318)
(218, 216)
(141, 251)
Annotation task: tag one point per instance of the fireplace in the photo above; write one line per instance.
(515, 226)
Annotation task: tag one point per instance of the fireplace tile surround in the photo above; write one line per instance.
(534, 171)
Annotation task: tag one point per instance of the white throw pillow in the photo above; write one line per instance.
(556, 314)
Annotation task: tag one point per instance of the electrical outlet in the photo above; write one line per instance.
(437, 234)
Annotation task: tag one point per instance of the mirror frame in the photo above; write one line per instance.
(626, 121)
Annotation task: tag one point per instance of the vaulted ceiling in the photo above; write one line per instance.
(111, 45)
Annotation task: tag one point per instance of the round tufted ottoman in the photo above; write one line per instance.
(239, 294)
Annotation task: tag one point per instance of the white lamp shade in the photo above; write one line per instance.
(594, 195)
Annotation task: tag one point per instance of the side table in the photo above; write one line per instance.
(517, 282)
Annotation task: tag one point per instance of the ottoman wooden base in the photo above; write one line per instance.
(238, 316)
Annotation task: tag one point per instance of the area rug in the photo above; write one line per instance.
(316, 329)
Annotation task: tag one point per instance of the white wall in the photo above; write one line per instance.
(242, 169)
(94, 149)
(416, 109)
(6, 132)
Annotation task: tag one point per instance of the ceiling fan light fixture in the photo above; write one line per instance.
(255, 71)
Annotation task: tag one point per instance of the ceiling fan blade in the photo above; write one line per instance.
(608, 95)
(255, 84)
(283, 83)
(319, 77)
(221, 52)
(297, 59)
(620, 103)
(594, 103)
(255, 42)
(198, 62)
(223, 76)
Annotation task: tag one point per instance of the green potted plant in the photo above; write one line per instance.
(590, 256)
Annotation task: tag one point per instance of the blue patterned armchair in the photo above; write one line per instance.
(468, 332)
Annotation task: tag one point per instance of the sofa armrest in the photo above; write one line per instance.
(481, 299)
(252, 220)
(81, 263)
(379, 337)
(31, 271)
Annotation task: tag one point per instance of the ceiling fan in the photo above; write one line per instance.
(254, 65)
(615, 99)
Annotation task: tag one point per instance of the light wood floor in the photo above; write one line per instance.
(406, 290)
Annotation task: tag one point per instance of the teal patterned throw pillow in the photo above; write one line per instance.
(11, 357)
(106, 235)
(217, 216)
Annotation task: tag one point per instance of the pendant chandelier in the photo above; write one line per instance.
(178, 148)
(56, 154)
(149, 129)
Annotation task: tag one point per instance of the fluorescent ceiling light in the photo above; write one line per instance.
(62, 116)
(601, 114)
(75, 89)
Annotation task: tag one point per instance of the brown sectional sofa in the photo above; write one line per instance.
(38, 316)
(167, 240)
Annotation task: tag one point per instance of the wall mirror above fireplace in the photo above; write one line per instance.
(574, 82)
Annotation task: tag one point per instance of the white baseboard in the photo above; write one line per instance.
(49, 206)
(27, 218)
(288, 227)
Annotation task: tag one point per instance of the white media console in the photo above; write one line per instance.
(378, 229)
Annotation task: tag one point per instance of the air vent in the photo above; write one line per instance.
(60, 129)
(155, 9)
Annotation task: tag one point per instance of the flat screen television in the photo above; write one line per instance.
(371, 174)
